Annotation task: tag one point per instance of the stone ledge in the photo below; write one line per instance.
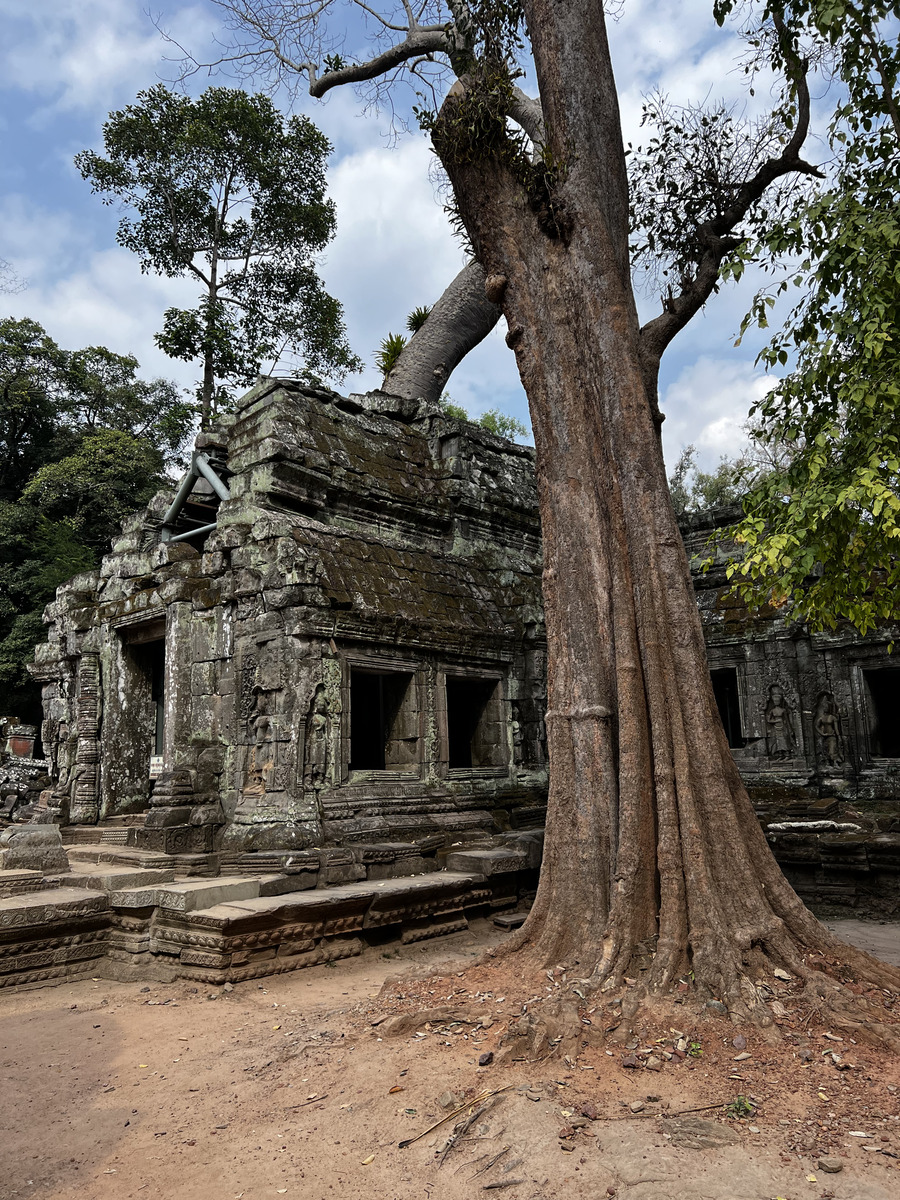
(47, 907)
(188, 897)
(487, 862)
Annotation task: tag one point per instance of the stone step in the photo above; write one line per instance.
(49, 906)
(190, 896)
(259, 935)
(204, 865)
(126, 856)
(112, 878)
(53, 936)
(77, 835)
(19, 882)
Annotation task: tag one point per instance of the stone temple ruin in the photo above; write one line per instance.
(300, 706)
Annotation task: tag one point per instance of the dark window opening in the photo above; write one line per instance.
(725, 690)
(150, 660)
(384, 721)
(884, 712)
(156, 652)
(473, 724)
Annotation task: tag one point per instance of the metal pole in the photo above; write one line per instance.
(201, 464)
(181, 537)
(181, 495)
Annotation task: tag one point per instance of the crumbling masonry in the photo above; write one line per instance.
(316, 673)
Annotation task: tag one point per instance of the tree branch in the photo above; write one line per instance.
(417, 43)
(887, 91)
(718, 236)
(529, 115)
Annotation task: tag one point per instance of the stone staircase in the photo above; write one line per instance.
(127, 914)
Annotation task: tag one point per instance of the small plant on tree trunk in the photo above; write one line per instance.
(225, 191)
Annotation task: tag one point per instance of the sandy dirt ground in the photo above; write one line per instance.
(294, 1088)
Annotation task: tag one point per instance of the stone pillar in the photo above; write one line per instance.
(84, 787)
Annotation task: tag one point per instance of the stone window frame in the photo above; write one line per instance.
(863, 714)
(479, 674)
(384, 664)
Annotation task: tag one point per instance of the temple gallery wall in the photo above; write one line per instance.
(331, 636)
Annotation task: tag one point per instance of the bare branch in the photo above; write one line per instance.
(719, 236)
(528, 114)
(418, 44)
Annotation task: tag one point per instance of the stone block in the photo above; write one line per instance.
(486, 862)
(203, 679)
(33, 848)
(14, 883)
(51, 906)
(115, 879)
(343, 873)
(188, 897)
(282, 885)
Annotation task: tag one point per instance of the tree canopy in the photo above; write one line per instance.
(227, 192)
(823, 536)
(83, 442)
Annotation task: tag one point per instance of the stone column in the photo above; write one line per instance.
(84, 786)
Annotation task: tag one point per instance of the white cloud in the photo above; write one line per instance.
(84, 296)
(707, 405)
(88, 54)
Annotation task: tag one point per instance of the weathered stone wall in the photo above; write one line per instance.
(362, 537)
(808, 721)
(377, 554)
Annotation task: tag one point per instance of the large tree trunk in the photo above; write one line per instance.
(655, 863)
(459, 320)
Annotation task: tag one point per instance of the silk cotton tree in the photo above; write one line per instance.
(225, 191)
(655, 866)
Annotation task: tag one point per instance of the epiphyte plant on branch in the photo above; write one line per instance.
(225, 191)
(655, 866)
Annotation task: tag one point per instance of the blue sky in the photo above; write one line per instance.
(65, 64)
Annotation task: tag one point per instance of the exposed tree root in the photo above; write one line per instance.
(835, 985)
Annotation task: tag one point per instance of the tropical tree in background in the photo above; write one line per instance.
(83, 442)
(225, 191)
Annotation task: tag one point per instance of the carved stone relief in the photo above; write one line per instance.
(827, 724)
(779, 718)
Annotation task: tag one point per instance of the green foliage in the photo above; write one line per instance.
(494, 421)
(740, 1107)
(689, 174)
(83, 441)
(693, 490)
(225, 191)
(108, 476)
(502, 424)
(824, 536)
(391, 349)
(453, 410)
(418, 317)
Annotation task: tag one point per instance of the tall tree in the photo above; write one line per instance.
(227, 192)
(837, 504)
(83, 442)
(655, 865)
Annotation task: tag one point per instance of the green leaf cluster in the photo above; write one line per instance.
(224, 190)
(83, 442)
(824, 535)
(493, 420)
